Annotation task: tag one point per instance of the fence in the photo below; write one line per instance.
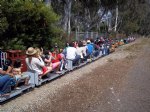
(85, 35)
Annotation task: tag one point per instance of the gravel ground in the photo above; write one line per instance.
(84, 90)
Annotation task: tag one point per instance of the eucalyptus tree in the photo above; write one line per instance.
(64, 9)
(134, 15)
(87, 12)
(114, 6)
(91, 12)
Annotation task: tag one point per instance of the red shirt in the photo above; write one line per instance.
(57, 58)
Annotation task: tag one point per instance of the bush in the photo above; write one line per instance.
(27, 23)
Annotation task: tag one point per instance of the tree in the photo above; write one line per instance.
(132, 16)
(29, 23)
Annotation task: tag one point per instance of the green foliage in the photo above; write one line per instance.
(60, 42)
(3, 24)
(103, 27)
(134, 17)
(27, 23)
(131, 27)
(145, 26)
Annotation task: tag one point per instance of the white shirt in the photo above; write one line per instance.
(71, 53)
(35, 65)
(80, 51)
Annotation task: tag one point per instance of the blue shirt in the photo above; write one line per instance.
(90, 48)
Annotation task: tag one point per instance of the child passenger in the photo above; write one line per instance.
(18, 76)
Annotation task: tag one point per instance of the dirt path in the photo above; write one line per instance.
(135, 95)
(113, 83)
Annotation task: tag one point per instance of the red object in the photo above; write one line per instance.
(17, 54)
(57, 58)
(44, 69)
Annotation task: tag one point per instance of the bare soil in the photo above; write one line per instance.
(109, 84)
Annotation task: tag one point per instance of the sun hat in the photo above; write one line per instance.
(31, 51)
(88, 41)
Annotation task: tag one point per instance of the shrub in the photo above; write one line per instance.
(27, 23)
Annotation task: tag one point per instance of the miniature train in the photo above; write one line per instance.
(34, 80)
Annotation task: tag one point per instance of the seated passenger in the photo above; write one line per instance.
(6, 82)
(17, 64)
(18, 76)
(47, 58)
(84, 49)
(80, 49)
(75, 44)
(52, 61)
(72, 54)
(65, 49)
(63, 60)
(46, 69)
(90, 48)
(7, 67)
(95, 48)
(33, 63)
(56, 60)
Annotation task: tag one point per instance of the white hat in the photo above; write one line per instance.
(88, 41)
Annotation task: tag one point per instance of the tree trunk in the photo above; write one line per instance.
(96, 21)
(65, 19)
(67, 16)
(116, 21)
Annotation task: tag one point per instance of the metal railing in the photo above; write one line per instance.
(85, 35)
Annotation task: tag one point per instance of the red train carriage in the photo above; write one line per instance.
(17, 54)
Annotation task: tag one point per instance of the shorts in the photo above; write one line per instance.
(44, 69)
(55, 65)
(21, 77)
